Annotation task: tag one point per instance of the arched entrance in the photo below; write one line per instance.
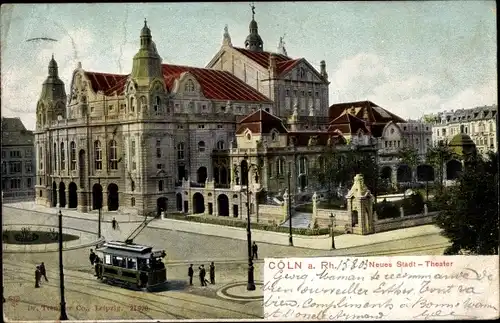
(201, 175)
(198, 203)
(178, 200)
(386, 173)
(425, 173)
(404, 173)
(113, 202)
(73, 196)
(81, 167)
(96, 196)
(54, 194)
(223, 205)
(453, 169)
(62, 194)
(161, 205)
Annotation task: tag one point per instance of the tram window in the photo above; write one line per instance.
(118, 261)
(107, 259)
(131, 263)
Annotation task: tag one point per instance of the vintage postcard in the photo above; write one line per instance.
(249, 161)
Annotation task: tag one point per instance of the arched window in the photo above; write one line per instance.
(220, 144)
(132, 201)
(303, 165)
(63, 157)
(40, 157)
(98, 155)
(72, 148)
(157, 104)
(132, 104)
(280, 167)
(274, 135)
(160, 185)
(201, 146)
(189, 86)
(132, 186)
(113, 155)
(180, 151)
(55, 157)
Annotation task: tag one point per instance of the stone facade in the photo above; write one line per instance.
(18, 161)
(479, 123)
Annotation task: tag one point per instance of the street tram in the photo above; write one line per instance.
(132, 265)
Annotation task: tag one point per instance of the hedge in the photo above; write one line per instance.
(413, 204)
(243, 224)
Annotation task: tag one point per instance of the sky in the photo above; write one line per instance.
(412, 58)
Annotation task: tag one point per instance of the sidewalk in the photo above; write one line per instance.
(311, 242)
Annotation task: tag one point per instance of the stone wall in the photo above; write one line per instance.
(342, 217)
(404, 222)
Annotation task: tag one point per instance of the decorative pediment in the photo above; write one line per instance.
(303, 71)
(131, 86)
(187, 84)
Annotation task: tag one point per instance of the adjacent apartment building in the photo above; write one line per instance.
(18, 161)
(479, 123)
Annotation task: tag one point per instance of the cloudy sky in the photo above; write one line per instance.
(409, 57)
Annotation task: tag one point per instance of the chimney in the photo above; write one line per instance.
(323, 72)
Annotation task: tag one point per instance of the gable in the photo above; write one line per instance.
(301, 70)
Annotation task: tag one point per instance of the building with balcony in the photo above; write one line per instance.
(18, 161)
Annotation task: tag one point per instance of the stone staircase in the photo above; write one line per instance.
(300, 220)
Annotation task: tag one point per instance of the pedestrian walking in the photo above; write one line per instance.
(255, 249)
(202, 275)
(98, 267)
(191, 274)
(92, 257)
(43, 272)
(38, 276)
(114, 223)
(212, 273)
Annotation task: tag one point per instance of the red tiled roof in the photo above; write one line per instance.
(302, 138)
(104, 81)
(215, 84)
(376, 114)
(283, 63)
(261, 121)
(348, 123)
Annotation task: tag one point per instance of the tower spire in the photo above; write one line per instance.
(253, 41)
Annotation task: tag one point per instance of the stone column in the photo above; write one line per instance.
(66, 194)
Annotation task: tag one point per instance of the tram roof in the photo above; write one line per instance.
(119, 246)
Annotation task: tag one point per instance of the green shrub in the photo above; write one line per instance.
(387, 210)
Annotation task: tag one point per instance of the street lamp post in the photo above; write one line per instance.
(63, 316)
(332, 218)
(290, 238)
(250, 283)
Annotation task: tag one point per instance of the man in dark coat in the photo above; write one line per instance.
(98, 267)
(43, 272)
(255, 249)
(202, 275)
(114, 223)
(212, 273)
(38, 276)
(191, 274)
(92, 257)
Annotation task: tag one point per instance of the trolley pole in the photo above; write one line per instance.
(99, 220)
(290, 237)
(63, 316)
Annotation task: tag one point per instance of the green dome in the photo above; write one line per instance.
(462, 144)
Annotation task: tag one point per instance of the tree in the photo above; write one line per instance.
(340, 167)
(436, 157)
(409, 156)
(469, 216)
